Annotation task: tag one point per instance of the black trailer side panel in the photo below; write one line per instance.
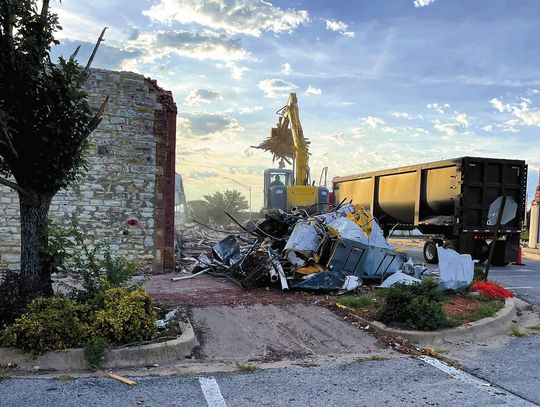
(450, 198)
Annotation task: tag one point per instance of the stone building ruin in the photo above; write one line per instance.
(127, 194)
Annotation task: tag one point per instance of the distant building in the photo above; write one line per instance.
(128, 194)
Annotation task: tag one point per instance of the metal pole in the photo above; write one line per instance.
(250, 203)
(495, 237)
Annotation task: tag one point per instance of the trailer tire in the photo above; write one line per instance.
(498, 254)
(430, 252)
(481, 251)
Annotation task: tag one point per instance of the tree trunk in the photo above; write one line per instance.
(34, 209)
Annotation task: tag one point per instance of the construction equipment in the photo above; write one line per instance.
(448, 200)
(287, 142)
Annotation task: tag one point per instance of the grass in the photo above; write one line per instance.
(356, 301)
(377, 357)
(517, 333)
(247, 368)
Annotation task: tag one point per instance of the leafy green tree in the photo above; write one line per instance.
(230, 201)
(45, 121)
(198, 210)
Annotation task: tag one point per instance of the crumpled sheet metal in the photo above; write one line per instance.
(456, 270)
(305, 239)
(227, 251)
(399, 278)
(352, 258)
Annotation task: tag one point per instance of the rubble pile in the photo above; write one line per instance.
(334, 251)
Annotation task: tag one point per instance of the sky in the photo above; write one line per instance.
(380, 84)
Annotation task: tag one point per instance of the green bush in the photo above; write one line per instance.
(125, 317)
(53, 323)
(418, 305)
(94, 352)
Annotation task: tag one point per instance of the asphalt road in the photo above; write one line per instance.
(401, 382)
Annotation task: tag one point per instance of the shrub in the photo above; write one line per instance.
(98, 268)
(54, 323)
(418, 305)
(94, 352)
(13, 298)
(125, 317)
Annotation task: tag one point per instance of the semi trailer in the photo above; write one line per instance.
(447, 200)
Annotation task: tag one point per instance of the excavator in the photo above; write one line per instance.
(286, 189)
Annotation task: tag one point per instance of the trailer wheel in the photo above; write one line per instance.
(430, 252)
(498, 254)
(481, 251)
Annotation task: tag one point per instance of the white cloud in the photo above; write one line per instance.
(422, 3)
(438, 107)
(497, 104)
(286, 69)
(233, 16)
(402, 115)
(312, 90)
(463, 119)
(524, 113)
(372, 122)
(358, 132)
(450, 129)
(391, 130)
(347, 103)
(488, 128)
(339, 26)
(198, 96)
(198, 45)
(246, 110)
(274, 88)
(337, 137)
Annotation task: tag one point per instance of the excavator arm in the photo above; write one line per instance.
(301, 149)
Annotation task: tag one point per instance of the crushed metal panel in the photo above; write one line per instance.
(364, 261)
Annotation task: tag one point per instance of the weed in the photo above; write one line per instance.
(64, 378)
(4, 375)
(247, 368)
(94, 352)
(377, 357)
(356, 301)
(517, 333)
(535, 328)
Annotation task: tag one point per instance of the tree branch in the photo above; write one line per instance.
(97, 117)
(13, 185)
(86, 71)
(9, 145)
(45, 9)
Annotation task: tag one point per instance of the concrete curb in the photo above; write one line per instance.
(162, 353)
(481, 329)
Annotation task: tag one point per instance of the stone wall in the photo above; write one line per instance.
(127, 194)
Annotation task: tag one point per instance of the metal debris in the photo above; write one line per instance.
(333, 251)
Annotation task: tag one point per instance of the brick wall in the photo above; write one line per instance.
(130, 162)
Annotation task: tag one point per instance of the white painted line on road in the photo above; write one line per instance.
(211, 392)
(513, 288)
(475, 382)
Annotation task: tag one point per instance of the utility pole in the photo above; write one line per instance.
(248, 187)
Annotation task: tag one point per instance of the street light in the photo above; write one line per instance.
(245, 186)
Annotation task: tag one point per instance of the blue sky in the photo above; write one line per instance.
(380, 83)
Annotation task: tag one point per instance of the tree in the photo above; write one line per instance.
(230, 201)
(45, 121)
(197, 210)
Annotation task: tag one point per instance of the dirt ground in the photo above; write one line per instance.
(267, 333)
(207, 290)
